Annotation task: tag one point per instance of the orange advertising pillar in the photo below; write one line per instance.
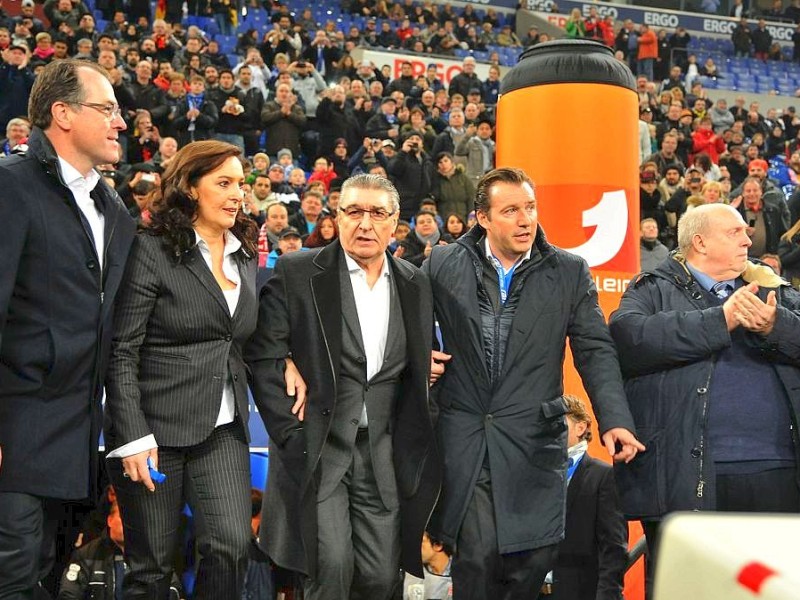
(568, 116)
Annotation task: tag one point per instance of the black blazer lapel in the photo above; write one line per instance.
(247, 276)
(327, 298)
(195, 263)
(575, 484)
(349, 308)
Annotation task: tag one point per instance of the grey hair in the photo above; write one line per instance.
(368, 181)
(17, 121)
(696, 222)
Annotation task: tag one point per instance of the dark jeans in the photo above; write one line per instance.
(479, 571)
(28, 526)
(773, 491)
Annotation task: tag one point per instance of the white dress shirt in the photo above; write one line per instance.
(372, 305)
(227, 409)
(81, 187)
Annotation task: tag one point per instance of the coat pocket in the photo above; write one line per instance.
(642, 482)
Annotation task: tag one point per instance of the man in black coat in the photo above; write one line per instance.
(353, 472)
(506, 302)
(64, 243)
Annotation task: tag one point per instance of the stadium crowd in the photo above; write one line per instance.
(307, 117)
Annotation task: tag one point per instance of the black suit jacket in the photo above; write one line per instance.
(593, 555)
(175, 343)
(300, 315)
(56, 311)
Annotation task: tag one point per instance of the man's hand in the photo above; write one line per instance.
(295, 388)
(753, 314)
(630, 445)
(399, 252)
(135, 467)
(438, 361)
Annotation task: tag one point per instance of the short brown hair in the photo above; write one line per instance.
(58, 82)
(502, 175)
(576, 410)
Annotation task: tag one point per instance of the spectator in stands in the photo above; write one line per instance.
(721, 117)
(96, 569)
(789, 253)
(651, 205)
(675, 80)
(16, 82)
(384, 124)
(507, 38)
(412, 172)
(58, 265)
(283, 121)
(260, 75)
(325, 233)
(253, 105)
(679, 44)
(652, 252)
(455, 226)
(436, 583)
(230, 103)
(452, 135)
(742, 38)
(466, 80)
(733, 448)
(478, 147)
(305, 220)
(692, 185)
(667, 156)
(490, 88)
(146, 95)
(17, 132)
(592, 557)
(792, 11)
(765, 222)
(322, 54)
(762, 40)
(575, 26)
(143, 139)
(276, 219)
(417, 245)
(622, 43)
(704, 139)
(196, 115)
(417, 123)
(452, 189)
(671, 182)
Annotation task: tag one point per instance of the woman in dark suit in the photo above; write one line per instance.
(177, 385)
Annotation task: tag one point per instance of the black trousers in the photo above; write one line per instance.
(479, 571)
(28, 526)
(214, 479)
(773, 491)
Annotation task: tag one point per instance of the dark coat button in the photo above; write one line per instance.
(695, 452)
(326, 412)
(228, 337)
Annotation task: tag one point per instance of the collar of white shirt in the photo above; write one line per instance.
(74, 179)
(493, 259)
(353, 266)
(232, 244)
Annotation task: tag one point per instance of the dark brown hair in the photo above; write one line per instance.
(174, 210)
(315, 239)
(502, 175)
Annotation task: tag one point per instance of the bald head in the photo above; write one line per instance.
(713, 239)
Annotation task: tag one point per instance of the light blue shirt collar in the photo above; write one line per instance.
(707, 282)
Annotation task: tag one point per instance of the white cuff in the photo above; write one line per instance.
(148, 442)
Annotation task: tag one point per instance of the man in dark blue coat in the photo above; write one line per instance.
(506, 302)
(64, 240)
(708, 344)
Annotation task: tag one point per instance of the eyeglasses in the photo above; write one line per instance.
(356, 213)
(111, 111)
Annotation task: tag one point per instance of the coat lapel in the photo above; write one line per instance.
(327, 297)
(349, 308)
(195, 263)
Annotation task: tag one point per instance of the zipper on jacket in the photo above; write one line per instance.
(700, 481)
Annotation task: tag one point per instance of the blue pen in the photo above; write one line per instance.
(156, 476)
